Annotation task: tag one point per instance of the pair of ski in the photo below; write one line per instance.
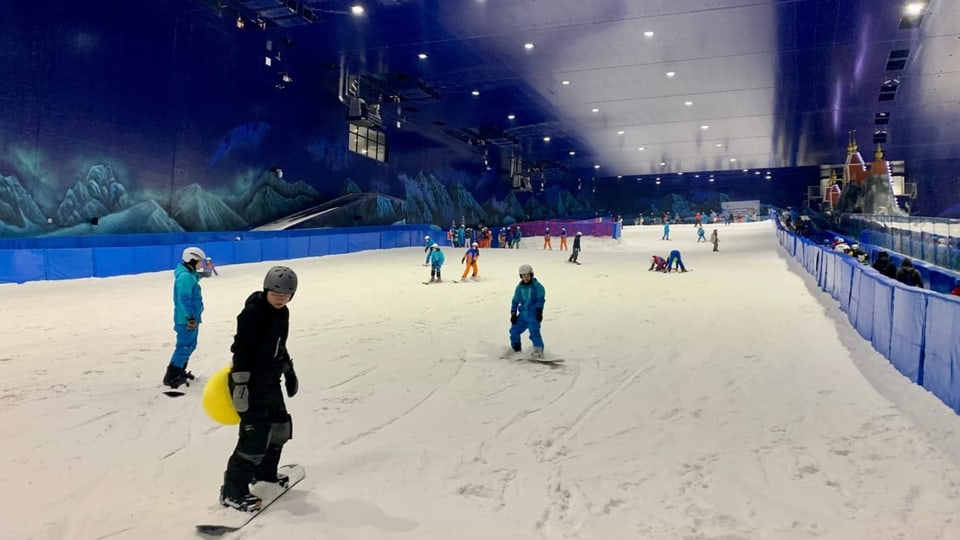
(229, 520)
(549, 361)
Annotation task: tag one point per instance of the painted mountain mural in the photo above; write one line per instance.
(19, 213)
(197, 210)
(99, 194)
(143, 217)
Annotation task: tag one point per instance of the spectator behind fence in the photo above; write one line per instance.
(885, 266)
(956, 288)
(908, 275)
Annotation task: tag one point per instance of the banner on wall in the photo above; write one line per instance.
(746, 208)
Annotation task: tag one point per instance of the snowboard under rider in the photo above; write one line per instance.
(526, 311)
(187, 308)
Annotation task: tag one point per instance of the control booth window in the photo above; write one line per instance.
(368, 142)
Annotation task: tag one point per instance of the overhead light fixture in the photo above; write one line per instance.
(688, 103)
(422, 56)
(648, 33)
(620, 132)
(733, 160)
(746, 170)
(511, 116)
(619, 176)
(914, 8)
(641, 148)
(679, 174)
(546, 139)
(756, 172)
(475, 92)
(719, 145)
(596, 166)
(663, 163)
(671, 74)
(357, 10)
(565, 83)
(528, 46)
(711, 179)
(696, 176)
(572, 153)
(768, 177)
(658, 181)
(594, 110)
(704, 127)
(240, 22)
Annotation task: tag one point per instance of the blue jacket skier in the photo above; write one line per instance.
(436, 261)
(427, 244)
(526, 311)
(187, 310)
(674, 260)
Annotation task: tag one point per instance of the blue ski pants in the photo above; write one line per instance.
(527, 321)
(186, 344)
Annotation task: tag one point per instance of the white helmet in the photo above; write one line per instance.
(475, 244)
(425, 238)
(193, 254)
(526, 269)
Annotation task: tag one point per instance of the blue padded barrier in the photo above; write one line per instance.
(941, 362)
(111, 261)
(21, 265)
(853, 300)
(363, 242)
(155, 258)
(882, 312)
(69, 263)
(273, 249)
(298, 247)
(319, 246)
(388, 239)
(222, 253)
(247, 251)
(864, 296)
(844, 266)
(906, 340)
(827, 283)
(338, 245)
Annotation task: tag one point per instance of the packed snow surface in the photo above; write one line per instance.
(730, 402)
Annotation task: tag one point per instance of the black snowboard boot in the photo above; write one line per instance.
(175, 377)
(516, 346)
(244, 502)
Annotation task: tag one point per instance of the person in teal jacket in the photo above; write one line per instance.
(436, 261)
(428, 243)
(187, 310)
(526, 311)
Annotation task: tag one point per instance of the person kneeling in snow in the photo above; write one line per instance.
(657, 263)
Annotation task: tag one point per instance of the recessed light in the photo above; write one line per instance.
(719, 145)
(648, 33)
(696, 176)
(679, 174)
(475, 92)
(711, 179)
(546, 139)
(565, 83)
(704, 127)
(528, 46)
(594, 110)
(756, 172)
(641, 148)
(620, 132)
(663, 163)
(511, 116)
(357, 10)
(768, 177)
(671, 74)
(619, 176)
(658, 181)
(914, 8)
(596, 166)
(733, 160)
(746, 170)
(572, 153)
(422, 56)
(688, 103)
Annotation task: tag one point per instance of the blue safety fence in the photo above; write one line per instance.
(46, 258)
(915, 329)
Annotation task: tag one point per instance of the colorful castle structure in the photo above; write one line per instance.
(863, 190)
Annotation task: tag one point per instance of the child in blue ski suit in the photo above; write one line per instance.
(187, 307)
(427, 244)
(674, 260)
(436, 261)
(526, 311)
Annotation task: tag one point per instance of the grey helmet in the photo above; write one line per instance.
(526, 269)
(280, 279)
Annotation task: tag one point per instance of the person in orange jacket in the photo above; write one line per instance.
(470, 259)
(546, 239)
(563, 238)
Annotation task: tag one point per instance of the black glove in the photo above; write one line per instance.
(539, 315)
(290, 377)
(463, 260)
(239, 391)
(513, 318)
(191, 324)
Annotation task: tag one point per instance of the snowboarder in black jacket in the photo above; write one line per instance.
(259, 359)
(576, 248)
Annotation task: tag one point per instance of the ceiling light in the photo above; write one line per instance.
(733, 160)
(546, 139)
(711, 179)
(914, 8)
(648, 33)
(620, 132)
(746, 170)
(688, 103)
(619, 176)
(696, 176)
(572, 153)
(768, 177)
(565, 83)
(596, 166)
(663, 163)
(511, 116)
(475, 92)
(641, 148)
(658, 181)
(594, 110)
(756, 172)
(679, 174)
(422, 56)
(357, 10)
(719, 145)
(528, 46)
(671, 74)
(705, 127)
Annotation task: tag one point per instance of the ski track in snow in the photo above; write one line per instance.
(730, 403)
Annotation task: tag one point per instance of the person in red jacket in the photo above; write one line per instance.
(657, 263)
